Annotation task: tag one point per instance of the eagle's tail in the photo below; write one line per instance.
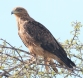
(71, 63)
(68, 63)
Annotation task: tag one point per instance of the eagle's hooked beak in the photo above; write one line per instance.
(14, 12)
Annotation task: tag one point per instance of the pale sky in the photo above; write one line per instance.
(56, 15)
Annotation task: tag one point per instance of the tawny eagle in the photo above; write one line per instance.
(39, 40)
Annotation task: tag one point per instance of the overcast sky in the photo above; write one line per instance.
(56, 15)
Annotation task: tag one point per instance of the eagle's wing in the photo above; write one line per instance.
(43, 36)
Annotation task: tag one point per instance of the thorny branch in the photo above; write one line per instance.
(29, 62)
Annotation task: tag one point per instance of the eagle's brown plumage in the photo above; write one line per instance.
(39, 40)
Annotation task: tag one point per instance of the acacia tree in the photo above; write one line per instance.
(16, 63)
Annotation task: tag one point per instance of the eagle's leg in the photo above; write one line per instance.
(49, 61)
(53, 65)
(46, 62)
(32, 58)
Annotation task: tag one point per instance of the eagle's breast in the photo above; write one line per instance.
(25, 37)
(28, 40)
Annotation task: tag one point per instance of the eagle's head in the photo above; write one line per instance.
(19, 11)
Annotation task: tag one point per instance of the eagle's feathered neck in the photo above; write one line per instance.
(24, 17)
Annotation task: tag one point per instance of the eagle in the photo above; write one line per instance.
(39, 40)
